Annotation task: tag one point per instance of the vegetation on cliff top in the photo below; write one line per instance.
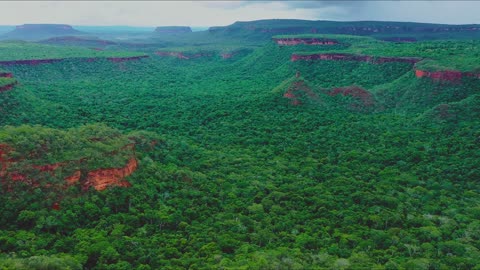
(438, 55)
(14, 50)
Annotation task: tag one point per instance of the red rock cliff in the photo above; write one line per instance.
(7, 87)
(445, 75)
(102, 178)
(6, 75)
(306, 41)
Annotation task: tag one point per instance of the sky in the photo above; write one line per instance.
(220, 13)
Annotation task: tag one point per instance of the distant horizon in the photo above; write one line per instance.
(207, 26)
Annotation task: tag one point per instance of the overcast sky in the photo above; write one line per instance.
(213, 13)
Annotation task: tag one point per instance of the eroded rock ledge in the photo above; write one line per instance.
(445, 75)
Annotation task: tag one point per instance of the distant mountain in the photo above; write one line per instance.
(6, 28)
(173, 29)
(40, 31)
(414, 31)
(114, 29)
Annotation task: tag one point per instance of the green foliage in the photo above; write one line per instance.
(233, 176)
(14, 50)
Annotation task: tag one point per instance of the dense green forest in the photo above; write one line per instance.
(251, 162)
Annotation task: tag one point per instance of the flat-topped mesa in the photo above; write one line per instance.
(445, 75)
(173, 29)
(57, 27)
(305, 41)
(41, 31)
(352, 57)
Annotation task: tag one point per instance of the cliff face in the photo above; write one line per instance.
(353, 57)
(6, 75)
(7, 87)
(445, 75)
(305, 41)
(99, 179)
(102, 178)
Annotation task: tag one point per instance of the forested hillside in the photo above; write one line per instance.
(280, 155)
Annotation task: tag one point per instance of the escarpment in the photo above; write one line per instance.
(304, 41)
(445, 75)
(352, 57)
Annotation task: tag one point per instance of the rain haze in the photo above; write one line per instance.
(219, 13)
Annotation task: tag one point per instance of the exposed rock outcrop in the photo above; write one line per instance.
(102, 178)
(99, 179)
(297, 91)
(305, 41)
(7, 87)
(353, 57)
(6, 75)
(445, 75)
(356, 92)
(226, 55)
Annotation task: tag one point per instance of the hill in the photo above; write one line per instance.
(263, 29)
(40, 31)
